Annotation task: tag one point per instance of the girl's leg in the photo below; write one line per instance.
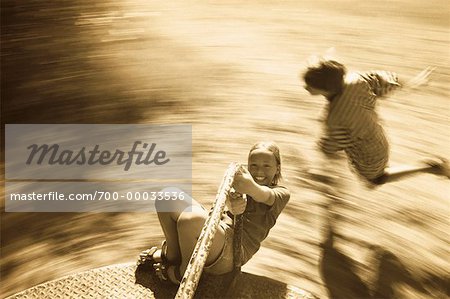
(169, 227)
(189, 226)
(182, 227)
(168, 220)
(392, 174)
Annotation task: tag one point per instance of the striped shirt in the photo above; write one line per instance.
(352, 123)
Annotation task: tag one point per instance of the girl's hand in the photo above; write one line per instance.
(236, 202)
(420, 79)
(244, 184)
(243, 181)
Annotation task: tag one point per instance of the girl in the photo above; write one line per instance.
(263, 204)
(352, 123)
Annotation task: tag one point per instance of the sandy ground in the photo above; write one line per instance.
(231, 70)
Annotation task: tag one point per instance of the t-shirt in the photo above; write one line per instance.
(258, 219)
(352, 123)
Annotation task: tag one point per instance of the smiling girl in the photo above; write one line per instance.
(263, 203)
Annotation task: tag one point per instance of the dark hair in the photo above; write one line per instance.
(327, 75)
(275, 150)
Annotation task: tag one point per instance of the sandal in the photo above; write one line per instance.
(153, 255)
(168, 272)
(161, 271)
(157, 258)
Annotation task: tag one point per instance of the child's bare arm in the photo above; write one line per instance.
(420, 79)
(262, 194)
(382, 82)
(244, 183)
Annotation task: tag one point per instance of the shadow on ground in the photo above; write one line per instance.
(339, 274)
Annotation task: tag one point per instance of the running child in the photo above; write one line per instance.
(264, 202)
(352, 123)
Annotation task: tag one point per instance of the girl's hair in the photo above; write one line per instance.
(275, 150)
(327, 75)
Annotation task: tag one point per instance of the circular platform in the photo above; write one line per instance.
(128, 281)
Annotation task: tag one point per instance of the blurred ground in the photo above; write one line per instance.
(231, 69)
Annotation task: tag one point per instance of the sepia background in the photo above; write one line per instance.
(231, 69)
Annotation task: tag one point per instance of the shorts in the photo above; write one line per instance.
(370, 156)
(371, 172)
(224, 263)
(369, 166)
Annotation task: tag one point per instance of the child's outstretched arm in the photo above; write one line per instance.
(420, 79)
(382, 82)
(244, 183)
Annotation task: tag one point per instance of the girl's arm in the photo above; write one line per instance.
(244, 183)
(419, 80)
(382, 82)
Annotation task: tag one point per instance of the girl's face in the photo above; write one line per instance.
(263, 166)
